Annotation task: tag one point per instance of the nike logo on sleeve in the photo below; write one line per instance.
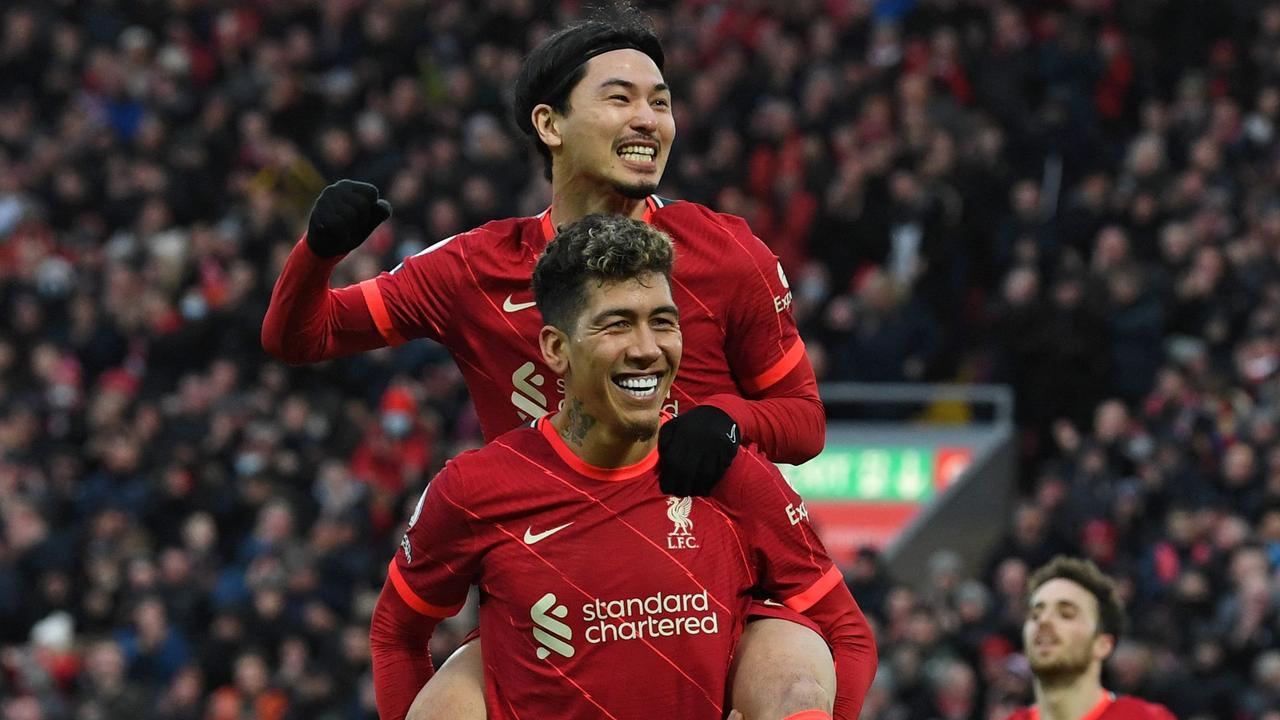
(530, 537)
(516, 307)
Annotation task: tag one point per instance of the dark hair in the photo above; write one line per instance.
(601, 248)
(552, 69)
(1111, 618)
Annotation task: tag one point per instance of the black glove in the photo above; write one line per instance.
(695, 449)
(343, 216)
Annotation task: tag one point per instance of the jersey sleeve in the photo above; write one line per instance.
(416, 298)
(762, 342)
(439, 557)
(792, 563)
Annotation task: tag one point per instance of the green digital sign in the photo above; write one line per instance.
(876, 474)
(860, 495)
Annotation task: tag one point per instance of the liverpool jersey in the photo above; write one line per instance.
(471, 292)
(602, 597)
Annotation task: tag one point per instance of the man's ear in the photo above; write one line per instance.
(546, 122)
(1103, 644)
(554, 343)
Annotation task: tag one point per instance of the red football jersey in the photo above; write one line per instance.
(1110, 707)
(602, 597)
(469, 289)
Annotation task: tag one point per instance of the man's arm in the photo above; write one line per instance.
(307, 321)
(787, 422)
(796, 570)
(779, 409)
(398, 642)
(852, 646)
(786, 419)
(427, 580)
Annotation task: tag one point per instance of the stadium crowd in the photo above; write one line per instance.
(1080, 198)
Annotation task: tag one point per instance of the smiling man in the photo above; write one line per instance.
(1073, 622)
(593, 100)
(602, 597)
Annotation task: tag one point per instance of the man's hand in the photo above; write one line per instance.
(343, 216)
(695, 449)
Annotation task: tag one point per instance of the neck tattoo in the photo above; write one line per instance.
(579, 422)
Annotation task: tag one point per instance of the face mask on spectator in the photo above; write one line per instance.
(250, 463)
(193, 307)
(396, 424)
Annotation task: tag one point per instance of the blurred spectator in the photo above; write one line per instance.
(392, 456)
(153, 649)
(105, 691)
(251, 695)
(889, 338)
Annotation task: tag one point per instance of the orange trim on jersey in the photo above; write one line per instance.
(378, 310)
(597, 473)
(1094, 713)
(549, 230)
(406, 593)
(816, 591)
(809, 715)
(767, 378)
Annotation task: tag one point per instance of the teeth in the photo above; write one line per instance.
(639, 386)
(636, 153)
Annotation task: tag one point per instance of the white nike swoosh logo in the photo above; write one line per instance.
(732, 434)
(530, 537)
(516, 307)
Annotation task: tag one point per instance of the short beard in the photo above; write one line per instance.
(636, 192)
(1063, 670)
(642, 432)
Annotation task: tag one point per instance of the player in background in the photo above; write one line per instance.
(604, 597)
(593, 101)
(1073, 623)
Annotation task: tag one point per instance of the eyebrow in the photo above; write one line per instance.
(1058, 603)
(629, 314)
(628, 85)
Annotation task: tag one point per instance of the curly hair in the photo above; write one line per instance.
(1111, 614)
(601, 248)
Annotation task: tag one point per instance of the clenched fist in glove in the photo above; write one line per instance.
(695, 449)
(343, 216)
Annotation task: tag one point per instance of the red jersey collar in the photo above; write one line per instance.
(549, 230)
(1094, 713)
(579, 465)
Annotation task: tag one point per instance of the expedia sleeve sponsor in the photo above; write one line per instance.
(759, 324)
(656, 616)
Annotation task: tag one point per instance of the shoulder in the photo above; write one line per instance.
(1127, 706)
(700, 231)
(502, 452)
(751, 476)
(751, 462)
(500, 448)
(496, 237)
(506, 231)
(686, 216)
(473, 485)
